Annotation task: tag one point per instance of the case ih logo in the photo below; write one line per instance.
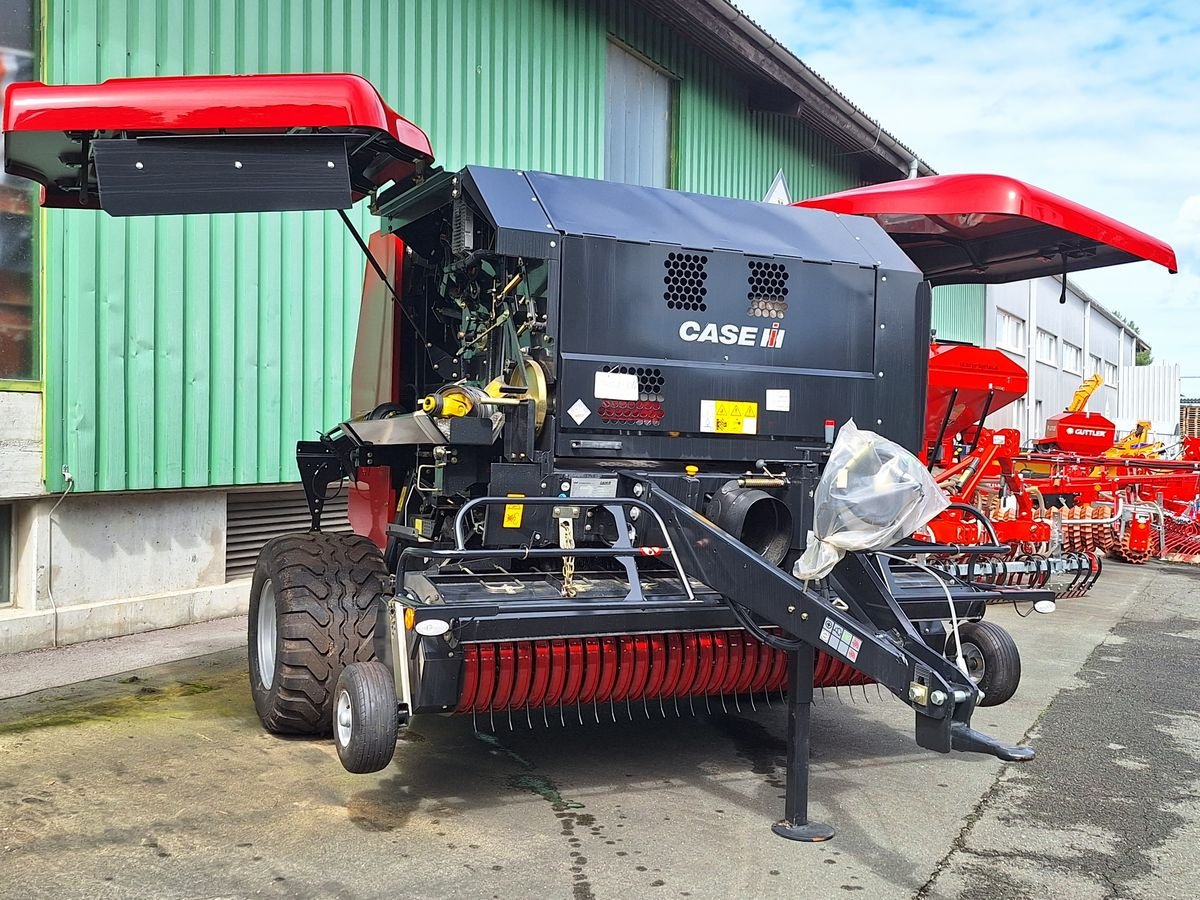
(741, 335)
(1088, 432)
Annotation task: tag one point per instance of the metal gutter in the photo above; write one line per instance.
(822, 95)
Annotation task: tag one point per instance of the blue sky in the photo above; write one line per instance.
(1099, 102)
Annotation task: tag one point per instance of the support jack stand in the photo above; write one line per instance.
(795, 825)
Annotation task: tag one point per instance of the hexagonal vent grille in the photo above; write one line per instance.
(768, 290)
(684, 281)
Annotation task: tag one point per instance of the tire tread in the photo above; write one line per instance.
(1002, 674)
(327, 589)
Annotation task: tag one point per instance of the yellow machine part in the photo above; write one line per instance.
(457, 400)
(535, 389)
(1084, 393)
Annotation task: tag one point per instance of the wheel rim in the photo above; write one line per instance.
(973, 657)
(344, 720)
(266, 635)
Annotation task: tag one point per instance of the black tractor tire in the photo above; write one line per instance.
(365, 717)
(1001, 662)
(315, 600)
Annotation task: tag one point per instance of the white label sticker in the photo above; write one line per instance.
(579, 411)
(779, 400)
(592, 486)
(616, 386)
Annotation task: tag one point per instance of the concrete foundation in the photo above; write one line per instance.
(105, 565)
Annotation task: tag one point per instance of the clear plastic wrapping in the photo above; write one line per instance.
(872, 493)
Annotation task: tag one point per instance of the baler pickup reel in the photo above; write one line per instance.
(853, 617)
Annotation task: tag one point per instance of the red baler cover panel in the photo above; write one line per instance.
(206, 103)
(990, 229)
(49, 128)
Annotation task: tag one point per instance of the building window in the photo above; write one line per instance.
(1110, 373)
(1072, 358)
(1010, 333)
(1047, 347)
(19, 343)
(6, 554)
(1094, 365)
(1039, 418)
(639, 133)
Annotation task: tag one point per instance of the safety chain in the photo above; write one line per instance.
(566, 540)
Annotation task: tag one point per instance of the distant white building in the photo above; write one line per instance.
(1061, 344)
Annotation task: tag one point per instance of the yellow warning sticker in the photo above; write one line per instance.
(729, 416)
(513, 513)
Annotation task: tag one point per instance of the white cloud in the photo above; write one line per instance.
(1095, 101)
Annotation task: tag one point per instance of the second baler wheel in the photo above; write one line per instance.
(992, 660)
(314, 603)
(365, 720)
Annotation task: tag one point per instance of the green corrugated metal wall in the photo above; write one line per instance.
(191, 351)
(958, 312)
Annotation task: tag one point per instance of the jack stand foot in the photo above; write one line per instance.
(808, 832)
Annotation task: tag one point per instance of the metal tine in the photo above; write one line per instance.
(596, 709)
(645, 706)
(850, 691)
(707, 705)
(865, 697)
(692, 704)
(662, 710)
(510, 728)
(724, 708)
(736, 703)
(474, 723)
(545, 719)
(561, 718)
(629, 709)
(579, 711)
(782, 696)
(878, 691)
(528, 720)
(675, 699)
(492, 719)
(767, 697)
(822, 689)
(612, 708)
(837, 692)
(752, 706)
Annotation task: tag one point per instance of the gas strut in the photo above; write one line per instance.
(871, 634)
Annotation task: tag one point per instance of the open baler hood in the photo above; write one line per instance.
(222, 143)
(989, 229)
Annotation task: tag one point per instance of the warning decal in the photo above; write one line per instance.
(841, 639)
(729, 416)
(513, 513)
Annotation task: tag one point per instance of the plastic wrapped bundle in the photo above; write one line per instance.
(873, 492)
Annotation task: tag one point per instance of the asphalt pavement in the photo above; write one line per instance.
(160, 783)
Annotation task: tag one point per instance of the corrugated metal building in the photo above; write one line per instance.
(170, 364)
(1060, 345)
(1150, 394)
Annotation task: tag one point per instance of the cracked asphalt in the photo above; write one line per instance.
(160, 783)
